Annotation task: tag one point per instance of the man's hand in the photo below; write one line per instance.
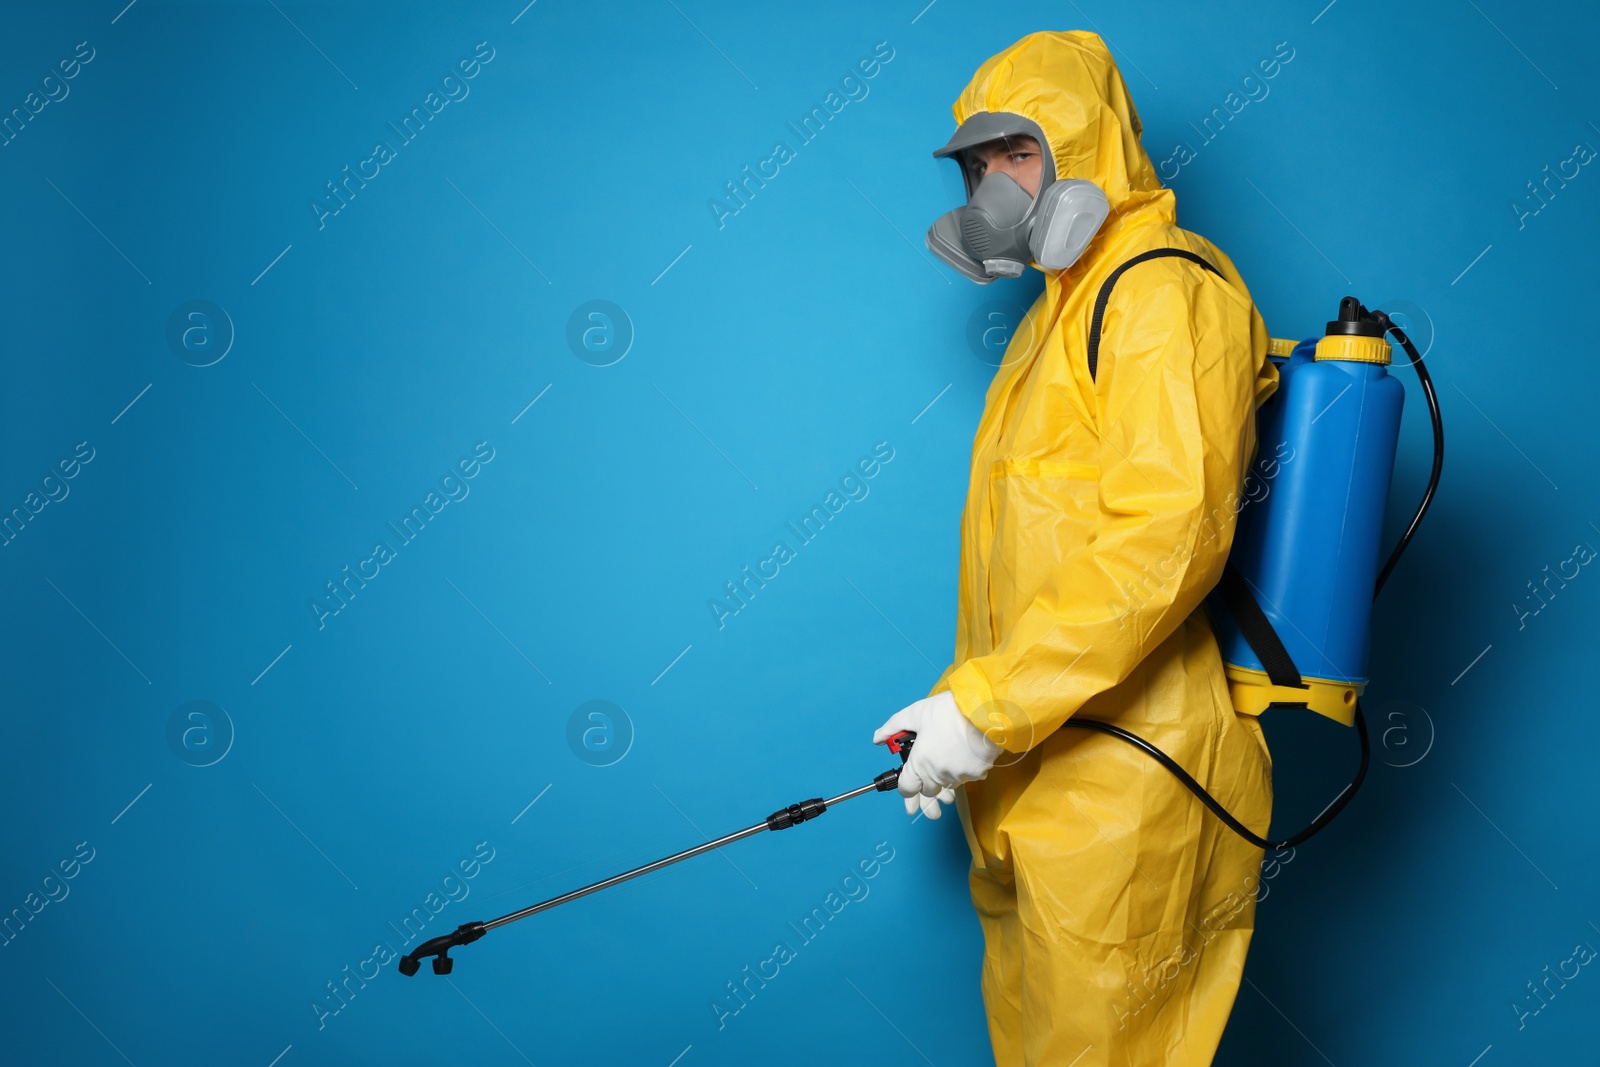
(949, 751)
(930, 805)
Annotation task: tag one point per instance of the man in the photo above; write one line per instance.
(1116, 910)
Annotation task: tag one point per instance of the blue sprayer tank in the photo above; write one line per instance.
(1308, 532)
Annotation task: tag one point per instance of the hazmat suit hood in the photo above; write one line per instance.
(1067, 84)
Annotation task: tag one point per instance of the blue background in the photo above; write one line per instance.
(362, 758)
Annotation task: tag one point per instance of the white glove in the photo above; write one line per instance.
(949, 751)
(929, 805)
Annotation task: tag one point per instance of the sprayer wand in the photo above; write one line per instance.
(439, 947)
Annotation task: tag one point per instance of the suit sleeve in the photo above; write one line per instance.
(1176, 390)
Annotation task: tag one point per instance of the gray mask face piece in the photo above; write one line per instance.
(988, 237)
(1001, 228)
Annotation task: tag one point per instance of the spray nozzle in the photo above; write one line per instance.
(1354, 321)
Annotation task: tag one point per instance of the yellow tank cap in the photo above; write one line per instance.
(1253, 693)
(1277, 346)
(1355, 349)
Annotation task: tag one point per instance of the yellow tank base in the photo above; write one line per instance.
(1253, 692)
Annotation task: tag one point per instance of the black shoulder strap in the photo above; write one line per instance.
(1104, 296)
(1257, 629)
(1236, 594)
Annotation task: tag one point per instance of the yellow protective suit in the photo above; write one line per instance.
(1116, 910)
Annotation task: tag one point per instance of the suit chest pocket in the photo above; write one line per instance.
(1040, 511)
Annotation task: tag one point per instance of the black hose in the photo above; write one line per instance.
(1438, 443)
(1216, 806)
(1349, 791)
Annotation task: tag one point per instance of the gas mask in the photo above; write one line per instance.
(1001, 227)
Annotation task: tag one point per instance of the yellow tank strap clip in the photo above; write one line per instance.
(1277, 346)
(1253, 693)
